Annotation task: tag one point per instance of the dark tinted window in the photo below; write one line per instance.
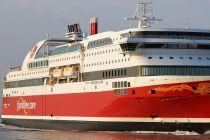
(174, 70)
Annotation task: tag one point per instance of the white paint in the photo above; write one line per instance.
(111, 119)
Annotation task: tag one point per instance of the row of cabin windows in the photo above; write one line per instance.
(100, 42)
(174, 70)
(121, 87)
(24, 83)
(169, 35)
(38, 64)
(66, 58)
(27, 74)
(103, 52)
(115, 73)
(86, 55)
(121, 84)
(107, 62)
(160, 57)
(134, 46)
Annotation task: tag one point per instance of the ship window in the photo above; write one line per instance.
(24, 83)
(122, 72)
(122, 84)
(125, 83)
(129, 84)
(169, 35)
(182, 46)
(59, 50)
(115, 73)
(118, 84)
(175, 70)
(125, 72)
(118, 72)
(98, 43)
(172, 45)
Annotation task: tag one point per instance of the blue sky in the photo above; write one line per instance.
(25, 22)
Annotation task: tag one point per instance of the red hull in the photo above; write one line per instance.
(185, 100)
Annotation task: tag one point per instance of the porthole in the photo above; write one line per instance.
(190, 58)
(149, 57)
(171, 58)
(181, 57)
(160, 57)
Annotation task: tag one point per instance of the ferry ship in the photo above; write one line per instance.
(145, 78)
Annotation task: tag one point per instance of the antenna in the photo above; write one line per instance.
(144, 15)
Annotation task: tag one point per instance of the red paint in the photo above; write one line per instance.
(178, 104)
(93, 26)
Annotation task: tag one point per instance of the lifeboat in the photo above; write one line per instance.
(68, 71)
(57, 73)
(52, 81)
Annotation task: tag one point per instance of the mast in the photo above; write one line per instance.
(144, 15)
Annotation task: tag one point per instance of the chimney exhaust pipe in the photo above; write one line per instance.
(93, 26)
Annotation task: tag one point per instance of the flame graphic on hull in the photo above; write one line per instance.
(202, 88)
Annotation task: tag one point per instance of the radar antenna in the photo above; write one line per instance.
(144, 15)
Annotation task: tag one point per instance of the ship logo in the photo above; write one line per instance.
(33, 50)
(25, 106)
